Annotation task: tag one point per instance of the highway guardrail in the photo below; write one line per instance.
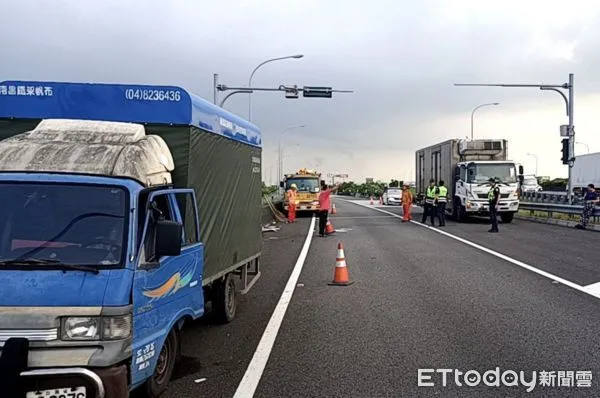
(555, 208)
(548, 197)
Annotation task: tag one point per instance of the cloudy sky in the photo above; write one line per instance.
(401, 59)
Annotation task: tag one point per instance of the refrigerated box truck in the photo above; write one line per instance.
(465, 166)
(586, 170)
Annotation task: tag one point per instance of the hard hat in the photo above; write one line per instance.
(294, 186)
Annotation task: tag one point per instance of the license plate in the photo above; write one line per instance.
(75, 392)
(302, 207)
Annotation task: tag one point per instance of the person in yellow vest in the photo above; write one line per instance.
(493, 197)
(292, 202)
(441, 198)
(429, 208)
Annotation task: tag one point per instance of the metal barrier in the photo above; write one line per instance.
(548, 197)
(556, 208)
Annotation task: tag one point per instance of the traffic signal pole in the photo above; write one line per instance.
(571, 136)
(569, 106)
(291, 92)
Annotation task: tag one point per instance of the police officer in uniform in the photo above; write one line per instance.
(429, 208)
(441, 199)
(493, 197)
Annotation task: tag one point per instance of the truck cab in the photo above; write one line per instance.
(308, 183)
(472, 185)
(98, 267)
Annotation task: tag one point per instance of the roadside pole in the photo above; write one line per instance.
(565, 130)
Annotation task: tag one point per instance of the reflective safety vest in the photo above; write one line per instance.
(430, 195)
(443, 194)
(292, 197)
(491, 194)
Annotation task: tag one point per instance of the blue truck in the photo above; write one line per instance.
(125, 209)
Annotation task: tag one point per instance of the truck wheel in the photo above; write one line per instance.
(224, 299)
(507, 217)
(157, 384)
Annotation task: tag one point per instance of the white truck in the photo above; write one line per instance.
(586, 170)
(465, 166)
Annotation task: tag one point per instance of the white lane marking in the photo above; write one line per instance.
(257, 365)
(595, 292)
(594, 288)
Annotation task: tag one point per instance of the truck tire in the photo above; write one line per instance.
(224, 299)
(507, 217)
(157, 384)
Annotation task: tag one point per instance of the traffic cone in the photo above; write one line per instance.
(341, 277)
(333, 209)
(329, 228)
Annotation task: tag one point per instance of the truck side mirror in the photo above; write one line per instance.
(168, 238)
(521, 169)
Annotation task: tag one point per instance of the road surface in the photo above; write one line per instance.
(521, 300)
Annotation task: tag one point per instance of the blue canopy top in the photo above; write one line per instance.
(168, 105)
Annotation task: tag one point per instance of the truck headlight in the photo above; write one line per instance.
(81, 328)
(97, 328)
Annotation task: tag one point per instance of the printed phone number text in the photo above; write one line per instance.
(152, 95)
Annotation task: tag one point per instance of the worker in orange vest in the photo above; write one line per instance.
(407, 200)
(292, 201)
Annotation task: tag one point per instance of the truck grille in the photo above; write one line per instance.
(484, 196)
(29, 334)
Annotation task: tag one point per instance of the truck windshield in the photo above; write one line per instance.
(482, 172)
(43, 223)
(304, 184)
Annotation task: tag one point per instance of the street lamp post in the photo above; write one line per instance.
(536, 162)
(254, 71)
(280, 167)
(473, 113)
(569, 98)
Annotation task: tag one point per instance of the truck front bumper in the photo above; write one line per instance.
(18, 380)
(483, 208)
(304, 207)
